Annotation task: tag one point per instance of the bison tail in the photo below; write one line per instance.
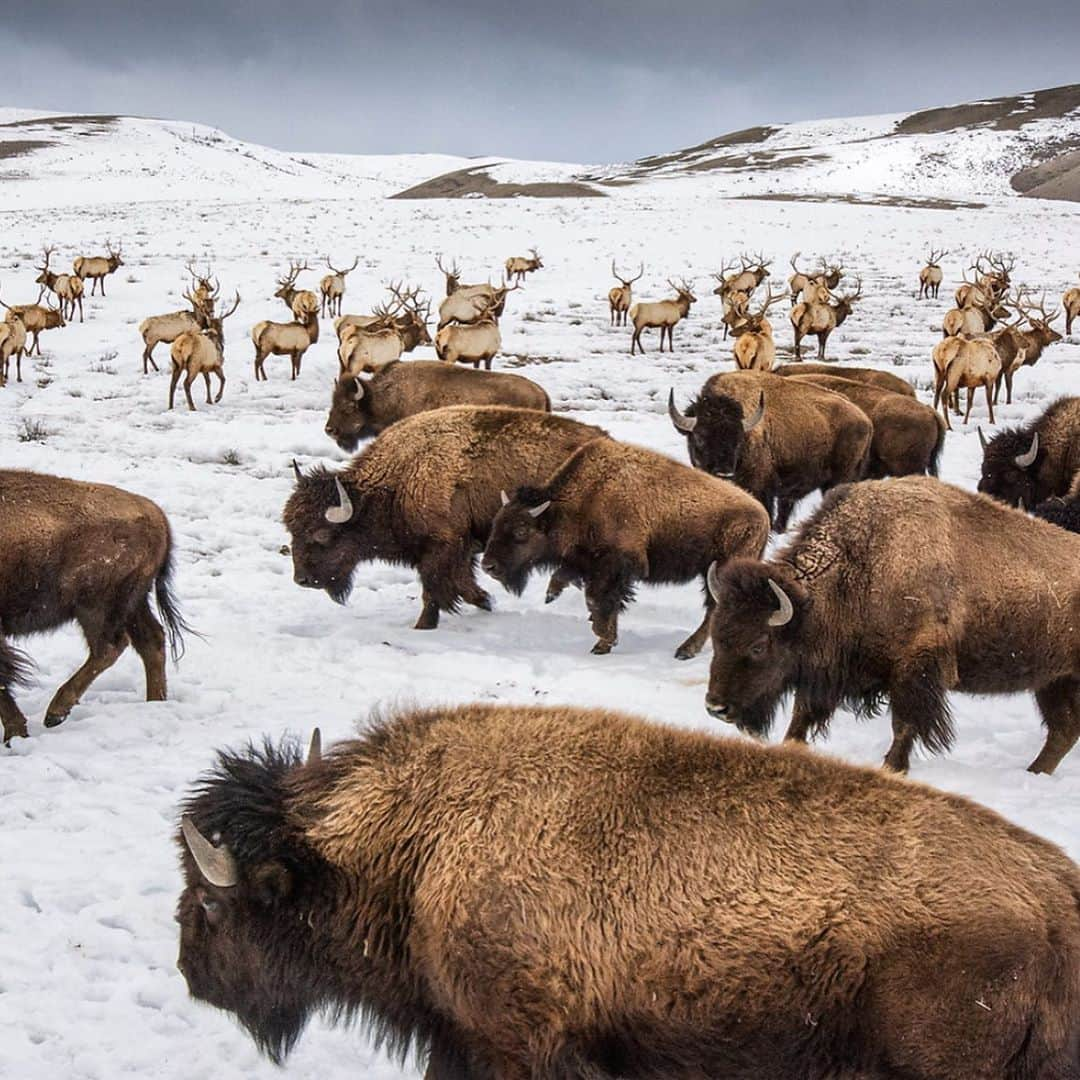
(935, 456)
(15, 667)
(175, 626)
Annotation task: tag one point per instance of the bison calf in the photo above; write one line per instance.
(361, 408)
(520, 892)
(894, 589)
(424, 494)
(613, 515)
(85, 553)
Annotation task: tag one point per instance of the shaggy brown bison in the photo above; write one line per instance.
(777, 439)
(1030, 464)
(85, 553)
(894, 589)
(886, 380)
(520, 892)
(424, 494)
(1063, 511)
(908, 435)
(613, 515)
(361, 408)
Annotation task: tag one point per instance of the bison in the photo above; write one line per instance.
(361, 408)
(893, 589)
(1063, 510)
(613, 515)
(777, 439)
(523, 892)
(1026, 465)
(85, 553)
(886, 380)
(424, 494)
(908, 436)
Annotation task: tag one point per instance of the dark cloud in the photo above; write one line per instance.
(578, 81)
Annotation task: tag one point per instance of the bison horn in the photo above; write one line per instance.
(982, 440)
(685, 424)
(314, 754)
(759, 415)
(712, 579)
(782, 616)
(296, 469)
(338, 515)
(536, 511)
(505, 498)
(359, 392)
(1025, 461)
(216, 864)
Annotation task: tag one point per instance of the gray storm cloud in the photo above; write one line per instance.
(589, 82)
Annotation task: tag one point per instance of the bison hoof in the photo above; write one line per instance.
(685, 652)
(15, 733)
(602, 648)
(483, 602)
(55, 719)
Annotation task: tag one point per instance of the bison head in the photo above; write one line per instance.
(755, 636)
(519, 539)
(350, 413)
(325, 546)
(246, 927)
(1009, 466)
(715, 430)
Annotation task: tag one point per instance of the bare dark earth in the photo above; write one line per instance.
(476, 181)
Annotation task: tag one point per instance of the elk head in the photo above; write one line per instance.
(453, 275)
(343, 273)
(286, 286)
(113, 255)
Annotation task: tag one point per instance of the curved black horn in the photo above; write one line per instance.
(685, 424)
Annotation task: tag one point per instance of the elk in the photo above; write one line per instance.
(200, 352)
(283, 339)
(12, 343)
(1017, 347)
(619, 298)
(754, 347)
(517, 266)
(930, 276)
(827, 278)
(466, 306)
(204, 294)
(370, 348)
(754, 270)
(663, 314)
(35, 318)
(98, 267)
(303, 303)
(962, 363)
(989, 284)
(454, 286)
(409, 318)
(822, 318)
(167, 328)
(470, 343)
(1070, 302)
(332, 287)
(67, 288)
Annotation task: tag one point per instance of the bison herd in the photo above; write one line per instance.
(528, 892)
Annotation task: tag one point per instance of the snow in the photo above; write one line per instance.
(88, 983)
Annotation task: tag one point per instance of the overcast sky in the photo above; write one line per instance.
(597, 81)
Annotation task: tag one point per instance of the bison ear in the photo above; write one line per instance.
(272, 882)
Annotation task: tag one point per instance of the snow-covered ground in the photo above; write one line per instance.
(88, 986)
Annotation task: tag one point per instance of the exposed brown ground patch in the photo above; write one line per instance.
(1058, 178)
(477, 181)
(999, 113)
(65, 121)
(869, 200)
(17, 147)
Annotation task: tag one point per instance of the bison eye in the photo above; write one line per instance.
(521, 534)
(758, 649)
(211, 908)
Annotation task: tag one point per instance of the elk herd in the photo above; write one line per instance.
(898, 587)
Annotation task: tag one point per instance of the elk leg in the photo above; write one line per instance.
(172, 385)
(970, 399)
(1059, 704)
(808, 719)
(103, 654)
(919, 708)
(1008, 388)
(635, 340)
(221, 386)
(148, 638)
(206, 379)
(80, 310)
(821, 339)
(989, 403)
(187, 390)
(798, 345)
(18, 365)
(147, 358)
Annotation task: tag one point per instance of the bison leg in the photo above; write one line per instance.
(103, 654)
(447, 575)
(608, 589)
(696, 641)
(149, 641)
(11, 670)
(558, 583)
(808, 719)
(919, 709)
(1059, 704)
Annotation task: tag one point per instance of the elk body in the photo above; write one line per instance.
(754, 348)
(931, 276)
(1070, 302)
(802, 282)
(662, 315)
(753, 271)
(467, 306)
(518, 266)
(454, 287)
(98, 267)
(283, 339)
(332, 287)
(821, 318)
(476, 343)
(959, 364)
(619, 298)
(167, 328)
(35, 318)
(200, 352)
(369, 349)
(12, 343)
(303, 303)
(67, 288)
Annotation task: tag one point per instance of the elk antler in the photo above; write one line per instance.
(236, 303)
(343, 273)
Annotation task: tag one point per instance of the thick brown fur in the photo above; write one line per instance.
(810, 439)
(619, 515)
(86, 553)
(519, 892)
(404, 389)
(886, 380)
(424, 494)
(1055, 465)
(908, 435)
(907, 589)
(1063, 511)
